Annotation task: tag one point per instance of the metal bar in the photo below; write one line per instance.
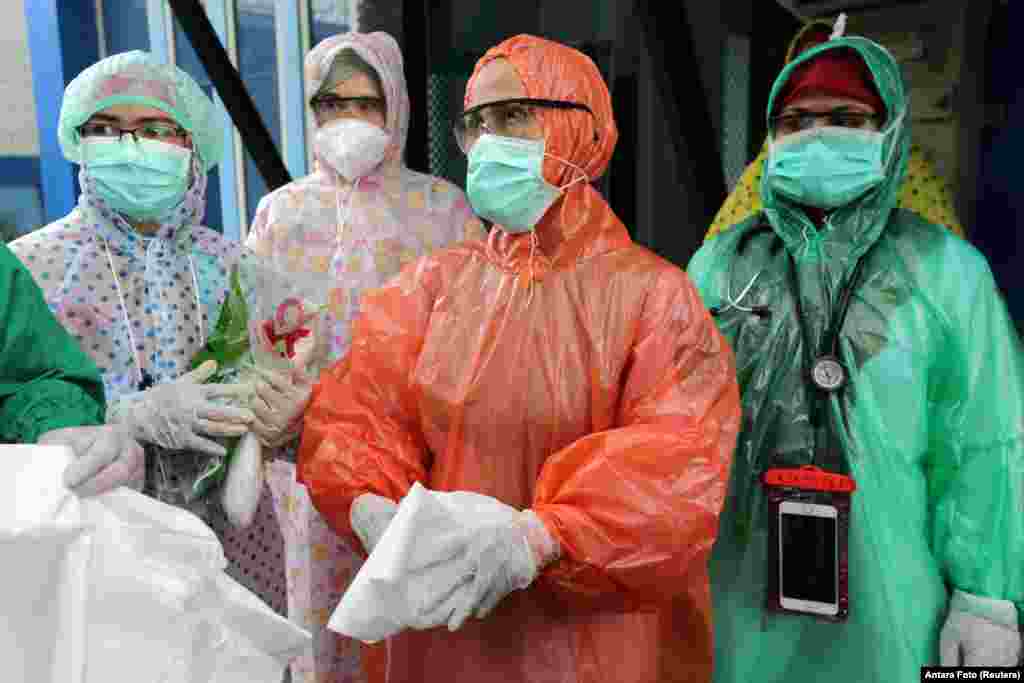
(101, 30)
(241, 168)
(306, 28)
(172, 43)
(290, 89)
(156, 18)
(62, 41)
(229, 86)
(231, 218)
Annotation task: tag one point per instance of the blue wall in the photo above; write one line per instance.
(21, 199)
(63, 41)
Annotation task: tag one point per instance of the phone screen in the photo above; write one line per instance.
(809, 570)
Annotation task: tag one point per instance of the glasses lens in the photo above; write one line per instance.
(159, 131)
(849, 119)
(99, 130)
(790, 123)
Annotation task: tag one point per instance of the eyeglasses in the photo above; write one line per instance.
(844, 118)
(508, 118)
(327, 107)
(161, 131)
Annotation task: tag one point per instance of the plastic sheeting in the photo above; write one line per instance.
(385, 595)
(121, 588)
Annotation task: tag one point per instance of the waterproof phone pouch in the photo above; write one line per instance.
(808, 549)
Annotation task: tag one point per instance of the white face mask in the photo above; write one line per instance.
(352, 147)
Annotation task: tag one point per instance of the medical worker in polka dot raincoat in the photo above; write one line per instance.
(139, 282)
(360, 216)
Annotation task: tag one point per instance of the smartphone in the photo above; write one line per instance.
(808, 558)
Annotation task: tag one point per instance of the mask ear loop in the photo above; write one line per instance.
(581, 177)
(534, 240)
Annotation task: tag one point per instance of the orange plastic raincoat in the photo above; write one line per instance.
(583, 379)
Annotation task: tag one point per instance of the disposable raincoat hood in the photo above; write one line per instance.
(861, 222)
(580, 224)
(923, 190)
(381, 52)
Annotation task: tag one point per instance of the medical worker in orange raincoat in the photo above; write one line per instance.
(560, 369)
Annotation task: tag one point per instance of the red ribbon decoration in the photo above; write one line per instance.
(290, 339)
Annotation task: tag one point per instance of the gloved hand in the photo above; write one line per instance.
(370, 516)
(979, 632)
(491, 562)
(278, 405)
(175, 415)
(105, 458)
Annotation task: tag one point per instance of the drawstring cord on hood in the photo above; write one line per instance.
(342, 213)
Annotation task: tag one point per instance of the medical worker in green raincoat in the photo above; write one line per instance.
(51, 393)
(928, 414)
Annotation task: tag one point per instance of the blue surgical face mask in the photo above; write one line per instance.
(505, 183)
(142, 180)
(827, 167)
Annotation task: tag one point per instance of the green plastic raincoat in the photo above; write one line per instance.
(930, 424)
(46, 381)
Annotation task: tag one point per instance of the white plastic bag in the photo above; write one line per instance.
(122, 588)
(383, 598)
(44, 577)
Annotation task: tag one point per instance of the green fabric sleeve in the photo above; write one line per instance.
(46, 381)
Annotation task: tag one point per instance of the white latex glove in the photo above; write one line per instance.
(493, 561)
(979, 632)
(178, 414)
(278, 405)
(370, 516)
(106, 458)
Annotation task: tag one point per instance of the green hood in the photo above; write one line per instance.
(858, 224)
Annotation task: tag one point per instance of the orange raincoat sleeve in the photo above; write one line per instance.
(635, 508)
(360, 433)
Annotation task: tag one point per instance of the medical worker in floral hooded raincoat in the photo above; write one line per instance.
(360, 216)
(560, 369)
(921, 401)
(138, 281)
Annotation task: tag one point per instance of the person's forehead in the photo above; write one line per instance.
(496, 81)
(129, 113)
(359, 85)
(820, 103)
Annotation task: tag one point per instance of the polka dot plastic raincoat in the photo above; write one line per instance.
(163, 312)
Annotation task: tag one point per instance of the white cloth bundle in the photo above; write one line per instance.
(384, 597)
(122, 588)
